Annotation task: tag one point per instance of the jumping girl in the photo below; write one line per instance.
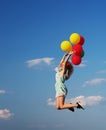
(63, 73)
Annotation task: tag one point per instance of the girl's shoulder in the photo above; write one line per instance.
(58, 69)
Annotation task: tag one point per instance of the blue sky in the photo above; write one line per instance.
(30, 35)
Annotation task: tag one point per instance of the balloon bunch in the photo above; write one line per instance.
(74, 44)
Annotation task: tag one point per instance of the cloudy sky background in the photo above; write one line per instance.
(30, 37)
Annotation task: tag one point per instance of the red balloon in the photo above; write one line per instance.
(82, 40)
(76, 59)
(78, 49)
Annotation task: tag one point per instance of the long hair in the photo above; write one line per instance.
(69, 70)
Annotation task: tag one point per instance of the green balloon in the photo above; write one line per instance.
(82, 54)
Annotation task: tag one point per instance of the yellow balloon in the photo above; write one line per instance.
(66, 46)
(74, 38)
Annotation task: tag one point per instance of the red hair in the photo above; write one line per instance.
(69, 69)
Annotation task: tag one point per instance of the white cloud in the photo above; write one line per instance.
(45, 125)
(2, 91)
(60, 125)
(102, 72)
(104, 62)
(37, 126)
(88, 101)
(5, 114)
(34, 62)
(51, 102)
(83, 64)
(85, 101)
(94, 82)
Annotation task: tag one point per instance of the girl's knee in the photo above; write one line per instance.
(58, 107)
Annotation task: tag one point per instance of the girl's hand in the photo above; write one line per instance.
(71, 52)
(66, 54)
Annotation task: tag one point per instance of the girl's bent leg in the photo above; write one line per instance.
(60, 103)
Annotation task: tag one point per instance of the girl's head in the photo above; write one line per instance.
(69, 66)
(69, 69)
